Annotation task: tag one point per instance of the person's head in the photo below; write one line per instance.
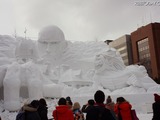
(69, 101)
(99, 96)
(91, 102)
(35, 103)
(76, 106)
(120, 100)
(62, 101)
(156, 97)
(69, 104)
(43, 101)
(68, 98)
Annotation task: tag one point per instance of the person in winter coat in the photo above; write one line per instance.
(69, 102)
(156, 107)
(99, 112)
(78, 115)
(110, 105)
(123, 109)
(88, 106)
(31, 111)
(43, 109)
(62, 111)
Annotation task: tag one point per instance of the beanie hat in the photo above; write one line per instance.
(62, 101)
(99, 96)
(156, 97)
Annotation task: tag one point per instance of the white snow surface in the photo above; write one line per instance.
(53, 67)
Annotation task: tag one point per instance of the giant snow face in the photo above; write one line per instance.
(51, 43)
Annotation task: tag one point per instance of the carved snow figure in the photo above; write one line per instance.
(22, 73)
(55, 62)
(112, 74)
(27, 73)
(109, 70)
(51, 44)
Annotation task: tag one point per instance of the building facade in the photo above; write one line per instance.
(123, 45)
(146, 48)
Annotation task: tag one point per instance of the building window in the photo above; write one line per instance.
(144, 54)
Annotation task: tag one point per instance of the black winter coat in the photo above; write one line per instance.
(86, 108)
(43, 111)
(156, 111)
(32, 116)
(30, 112)
(99, 113)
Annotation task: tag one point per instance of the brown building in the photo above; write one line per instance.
(146, 48)
(123, 45)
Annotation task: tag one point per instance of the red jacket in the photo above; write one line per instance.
(62, 112)
(125, 110)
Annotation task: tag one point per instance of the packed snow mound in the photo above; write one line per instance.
(51, 34)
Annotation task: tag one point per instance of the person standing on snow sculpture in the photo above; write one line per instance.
(99, 112)
(156, 107)
(123, 109)
(62, 111)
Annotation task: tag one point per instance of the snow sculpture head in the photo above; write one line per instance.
(51, 34)
(109, 61)
(26, 51)
(51, 43)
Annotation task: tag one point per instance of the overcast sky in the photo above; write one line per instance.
(80, 20)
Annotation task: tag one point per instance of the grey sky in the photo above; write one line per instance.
(80, 20)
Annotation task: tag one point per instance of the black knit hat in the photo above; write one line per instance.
(62, 101)
(99, 96)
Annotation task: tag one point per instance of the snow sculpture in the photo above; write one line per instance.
(26, 50)
(112, 74)
(74, 78)
(44, 67)
(11, 85)
(109, 67)
(7, 56)
(51, 44)
(25, 72)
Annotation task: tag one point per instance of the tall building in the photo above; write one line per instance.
(123, 45)
(146, 48)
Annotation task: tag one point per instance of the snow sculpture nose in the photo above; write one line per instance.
(48, 48)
